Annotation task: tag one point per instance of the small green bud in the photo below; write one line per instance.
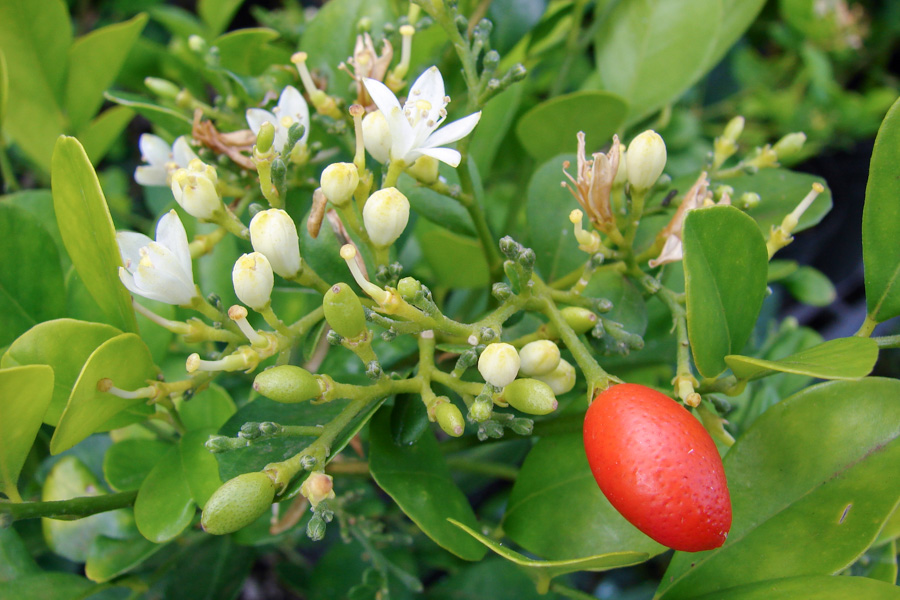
(561, 379)
(237, 503)
(265, 138)
(315, 529)
(408, 287)
(490, 429)
(450, 418)
(734, 128)
(538, 358)
(579, 319)
(344, 311)
(748, 200)
(522, 426)
(162, 87)
(531, 396)
(790, 145)
(287, 384)
(481, 409)
(501, 291)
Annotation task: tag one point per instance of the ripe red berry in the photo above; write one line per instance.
(658, 467)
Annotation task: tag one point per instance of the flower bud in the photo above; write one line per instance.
(450, 418)
(734, 128)
(253, 280)
(287, 384)
(622, 170)
(499, 364)
(579, 319)
(790, 145)
(538, 358)
(408, 287)
(385, 215)
(339, 181)
(425, 169)
(265, 138)
(344, 311)
(481, 410)
(317, 488)
(194, 189)
(531, 396)
(646, 160)
(748, 200)
(237, 503)
(561, 379)
(273, 233)
(162, 87)
(377, 136)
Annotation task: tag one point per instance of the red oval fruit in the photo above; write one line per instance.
(658, 467)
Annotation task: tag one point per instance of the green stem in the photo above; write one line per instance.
(393, 173)
(868, 326)
(74, 508)
(888, 341)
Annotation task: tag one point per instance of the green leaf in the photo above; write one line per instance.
(780, 191)
(445, 251)
(94, 61)
(409, 419)
(878, 563)
(100, 134)
(810, 286)
(556, 508)
(737, 16)
(248, 51)
(35, 38)
(818, 587)
(493, 577)
(844, 358)
(15, 560)
(810, 489)
(650, 51)
(172, 122)
(127, 463)
(25, 394)
(542, 571)
(215, 569)
(164, 506)
(418, 479)
(881, 222)
(217, 14)
(73, 343)
(48, 585)
(109, 557)
(4, 87)
(31, 281)
(199, 466)
(87, 231)
(209, 409)
(437, 208)
(725, 267)
(629, 308)
(496, 118)
(126, 360)
(549, 128)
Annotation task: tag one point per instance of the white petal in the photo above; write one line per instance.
(281, 138)
(257, 116)
(171, 234)
(452, 132)
(445, 155)
(182, 152)
(160, 284)
(382, 96)
(154, 149)
(151, 175)
(429, 86)
(130, 244)
(128, 281)
(291, 104)
(402, 134)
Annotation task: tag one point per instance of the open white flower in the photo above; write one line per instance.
(413, 127)
(291, 108)
(163, 160)
(159, 270)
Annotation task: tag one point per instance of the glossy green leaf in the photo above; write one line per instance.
(25, 394)
(172, 122)
(891, 529)
(818, 587)
(210, 408)
(810, 286)
(418, 479)
(49, 585)
(810, 489)
(217, 14)
(736, 17)
(127, 463)
(650, 51)
(39, 204)
(725, 267)
(126, 360)
(4, 86)
(164, 506)
(99, 135)
(437, 208)
(74, 341)
(881, 222)
(15, 559)
(87, 231)
(199, 466)
(215, 569)
(492, 577)
(409, 419)
(248, 51)
(549, 128)
(444, 251)
(109, 557)
(31, 280)
(877, 563)
(629, 308)
(496, 119)
(780, 191)
(843, 358)
(555, 477)
(94, 61)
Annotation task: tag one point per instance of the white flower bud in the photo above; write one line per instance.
(377, 136)
(538, 358)
(253, 280)
(317, 488)
(195, 191)
(499, 364)
(622, 171)
(385, 215)
(561, 379)
(273, 233)
(646, 160)
(339, 181)
(790, 145)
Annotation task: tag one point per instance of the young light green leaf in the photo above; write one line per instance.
(15, 559)
(810, 286)
(881, 222)
(127, 463)
(496, 119)
(99, 135)
(87, 231)
(199, 466)
(811, 487)
(217, 14)
(170, 121)
(444, 251)
(725, 267)
(126, 360)
(780, 191)
(25, 394)
(109, 557)
(418, 479)
(819, 587)
(164, 504)
(844, 358)
(549, 128)
(210, 408)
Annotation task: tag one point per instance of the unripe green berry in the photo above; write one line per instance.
(538, 358)
(266, 137)
(237, 503)
(450, 419)
(531, 396)
(344, 311)
(287, 384)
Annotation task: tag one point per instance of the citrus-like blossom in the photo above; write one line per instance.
(159, 270)
(414, 126)
(291, 108)
(162, 160)
(594, 179)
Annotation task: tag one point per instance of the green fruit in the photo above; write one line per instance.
(237, 503)
(287, 384)
(531, 396)
(581, 320)
(344, 311)
(450, 419)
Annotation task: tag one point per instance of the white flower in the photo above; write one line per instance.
(194, 189)
(412, 127)
(163, 159)
(159, 270)
(291, 108)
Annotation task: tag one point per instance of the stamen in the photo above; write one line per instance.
(407, 31)
(238, 314)
(106, 385)
(817, 188)
(173, 326)
(299, 59)
(348, 253)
